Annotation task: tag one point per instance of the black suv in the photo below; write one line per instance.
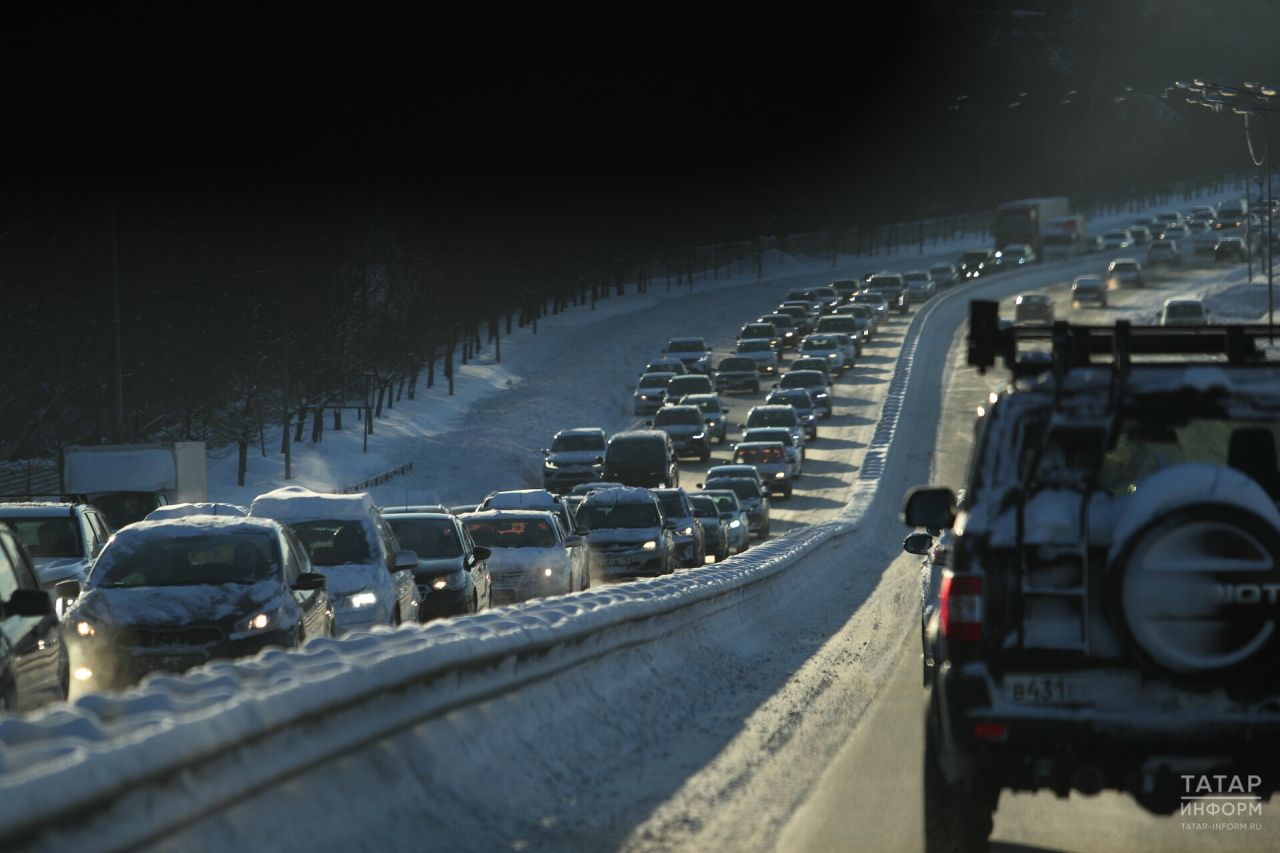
(642, 457)
(1107, 619)
(893, 287)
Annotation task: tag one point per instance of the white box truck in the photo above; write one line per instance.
(127, 481)
(1064, 237)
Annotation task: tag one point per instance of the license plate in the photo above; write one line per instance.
(1050, 690)
(617, 562)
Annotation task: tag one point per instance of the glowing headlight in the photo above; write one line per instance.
(83, 673)
(439, 583)
(698, 435)
(651, 545)
(551, 465)
(257, 622)
(735, 523)
(84, 629)
(688, 531)
(713, 424)
(547, 572)
(821, 396)
(361, 599)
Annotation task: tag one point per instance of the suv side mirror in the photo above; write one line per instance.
(929, 506)
(29, 602)
(480, 552)
(405, 560)
(69, 588)
(918, 543)
(309, 580)
(573, 541)
(580, 531)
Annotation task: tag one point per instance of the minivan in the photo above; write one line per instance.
(642, 457)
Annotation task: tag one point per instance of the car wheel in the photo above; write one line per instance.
(957, 817)
(395, 619)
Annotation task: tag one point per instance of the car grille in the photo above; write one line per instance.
(199, 636)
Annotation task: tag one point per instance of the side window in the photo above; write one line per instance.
(387, 539)
(295, 560)
(92, 538)
(8, 576)
(17, 558)
(100, 525)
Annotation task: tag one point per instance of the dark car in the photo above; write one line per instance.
(715, 530)
(172, 594)
(641, 458)
(785, 327)
(687, 428)
(760, 331)
(812, 381)
(626, 533)
(651, 392)
(694, 352)
(33, 660)
(737, 373)
(753, 496)
(973, 264)
(689, 538)
(575, 456)
(894, 289)
(1230, 249)
(802, 401)
(453, 572)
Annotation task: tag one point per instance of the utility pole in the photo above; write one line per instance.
(117, 369)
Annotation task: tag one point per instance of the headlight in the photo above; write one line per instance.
(821, 396)
(790, 334)
(713, 424)
(453, 580)
(84, 629)
(551, 466)
(651, 545)
(361, 599)
(643, 396)
(258, 622)
(735, 523)
(698, 435)
(687, 531)
(833, 355)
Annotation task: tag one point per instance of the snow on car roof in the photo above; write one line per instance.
(35, 508)
(623, 495)
(189, 509)
(295, 503)
(192, 524)
(520, 499)
(540, 514)
(581, 431)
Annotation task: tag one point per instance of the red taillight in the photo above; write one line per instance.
(990, 731)
(960, 607)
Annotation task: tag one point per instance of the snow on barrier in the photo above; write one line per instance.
(115, 771)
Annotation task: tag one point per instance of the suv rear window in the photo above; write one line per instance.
(758, 455)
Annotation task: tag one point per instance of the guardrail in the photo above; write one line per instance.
(376, 480)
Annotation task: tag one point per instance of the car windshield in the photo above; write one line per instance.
(634, 451)
(704, 507)
(1124, 267)
(654, 380)
(603, 515)
(770, 434)
(1117, 235)
(333, 543)
(685, 346)
(742, 487)
(429, 538)
(869, 298)
(671, 507)
(678, 417)
(754, 346)
(758, 455)
(757, 330)
(123, 508)
(1184, 310)
(793, 397)
(781, 321)
(577, 442)
(731, 364)
(47, 536)
(800, 379)
(522, 532)
(1088, 284)
(680, 385)
(1034, 299)
(814, 344)
(726, 503)
(708, 405)
(198, 559)
(973, 257)
(772, 417)
(809, 363)
(921, 277)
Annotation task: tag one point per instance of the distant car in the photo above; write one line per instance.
(453, 572)
(651, 392)
(761, 351)
(715, 530)
(854, 323)
(1183, 312)
(894, 289)
(642, 458)
(974, 264)
(777, 415)
(368, 576)
(1089, 288)
(795, 458)
(813, 382)
(33, 657)
(534, 499)
(694, 352)
(868, 317)
(944, 275)
(876, 301)
(1117, 239)
(1125, 272)
(626, 534)
(752, 495)
(817, 363)
(732, 517)
(666, 365)
(827, 348)
(172, 594)
(714, 414)
(802, 316)
(1205, 242)
(1015, 255)
(689, 538)
(770, 459)
(785, 328)
(805, 408)
(740, 373)
(920, 285)
(1164, 251)
(1141, 234)
(1033, 308)
(850, 346)
(846, 287)
(530, 555)
(1175, 232)
(760, 331)
(62, 539)
(1169, 219)
(687, 428)
(1231, 249)
(575, 456)
(679, 386)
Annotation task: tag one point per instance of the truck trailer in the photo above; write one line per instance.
(127, 481)
(1025, 220)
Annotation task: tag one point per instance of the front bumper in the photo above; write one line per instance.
(114, 666)
(509, 587)
(737, 382)
(564, 479)
(692, 446)
(618, 565)
(443, 602)
(647, 407)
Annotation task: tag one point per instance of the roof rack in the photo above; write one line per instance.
(1073, 346)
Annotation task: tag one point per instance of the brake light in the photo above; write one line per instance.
(960, 607)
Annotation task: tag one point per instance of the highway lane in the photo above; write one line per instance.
(869, 794)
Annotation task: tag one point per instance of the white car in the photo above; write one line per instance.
(761, 351)
(530, 555)
(368, 577)
(1164, 252)
(1125, 272)
(826, 347)
(1118, 239)
(1184, 312)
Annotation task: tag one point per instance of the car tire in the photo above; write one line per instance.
(957, 818)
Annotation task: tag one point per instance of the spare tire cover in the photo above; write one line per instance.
(1196, 562)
